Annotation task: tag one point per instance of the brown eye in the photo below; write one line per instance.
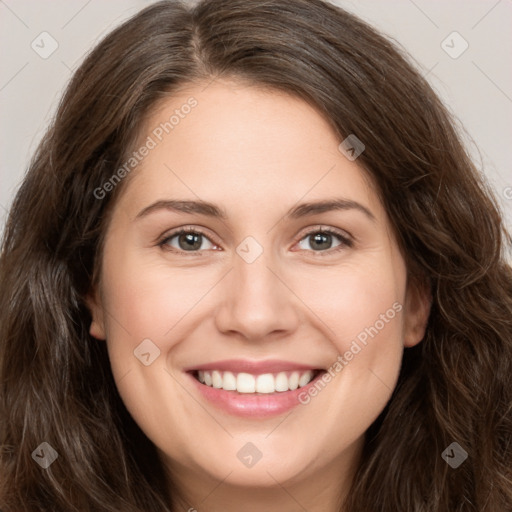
(186, 240)
(323, 240)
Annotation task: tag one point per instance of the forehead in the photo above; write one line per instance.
(236, 142)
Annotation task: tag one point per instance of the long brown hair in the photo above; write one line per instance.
(56, 385)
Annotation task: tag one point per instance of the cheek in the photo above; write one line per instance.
(147, 307)
(361, 311)
(149, 300)
(356, 300)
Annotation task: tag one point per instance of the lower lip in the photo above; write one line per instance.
(253, 405)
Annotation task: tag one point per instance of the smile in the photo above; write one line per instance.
(253, 389)
(264, 383)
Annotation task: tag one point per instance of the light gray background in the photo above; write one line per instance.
(477, 85)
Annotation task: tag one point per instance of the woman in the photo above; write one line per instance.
(252, 267)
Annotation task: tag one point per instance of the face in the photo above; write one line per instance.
(268, 336)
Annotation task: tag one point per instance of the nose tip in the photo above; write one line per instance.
(255, 302)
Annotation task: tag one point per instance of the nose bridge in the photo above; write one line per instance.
(256, 302)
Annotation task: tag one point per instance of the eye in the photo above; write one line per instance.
(187, 240)
(321, 240)
(192, 240)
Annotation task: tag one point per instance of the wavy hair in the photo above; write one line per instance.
(56, 384)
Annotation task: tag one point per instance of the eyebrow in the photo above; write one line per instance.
(211, 210)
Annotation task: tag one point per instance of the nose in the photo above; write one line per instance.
(257, 302)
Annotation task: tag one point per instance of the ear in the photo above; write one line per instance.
(418, 302)
(97, 327)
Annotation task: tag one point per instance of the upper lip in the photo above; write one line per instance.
(254, 367)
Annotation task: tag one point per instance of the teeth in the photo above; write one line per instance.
(281, 382)
(294, 380)
(216, 379)
(303, 380)
(248, 383)
(245, 383)
(229, 382)
(265, 383)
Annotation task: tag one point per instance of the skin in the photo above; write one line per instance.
(256, 154)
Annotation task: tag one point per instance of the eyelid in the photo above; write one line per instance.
(346, 239)
(162, 241)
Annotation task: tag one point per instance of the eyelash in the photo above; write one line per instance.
(345, 241)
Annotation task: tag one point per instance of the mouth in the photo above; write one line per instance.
(248, 383)
(253, 390)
